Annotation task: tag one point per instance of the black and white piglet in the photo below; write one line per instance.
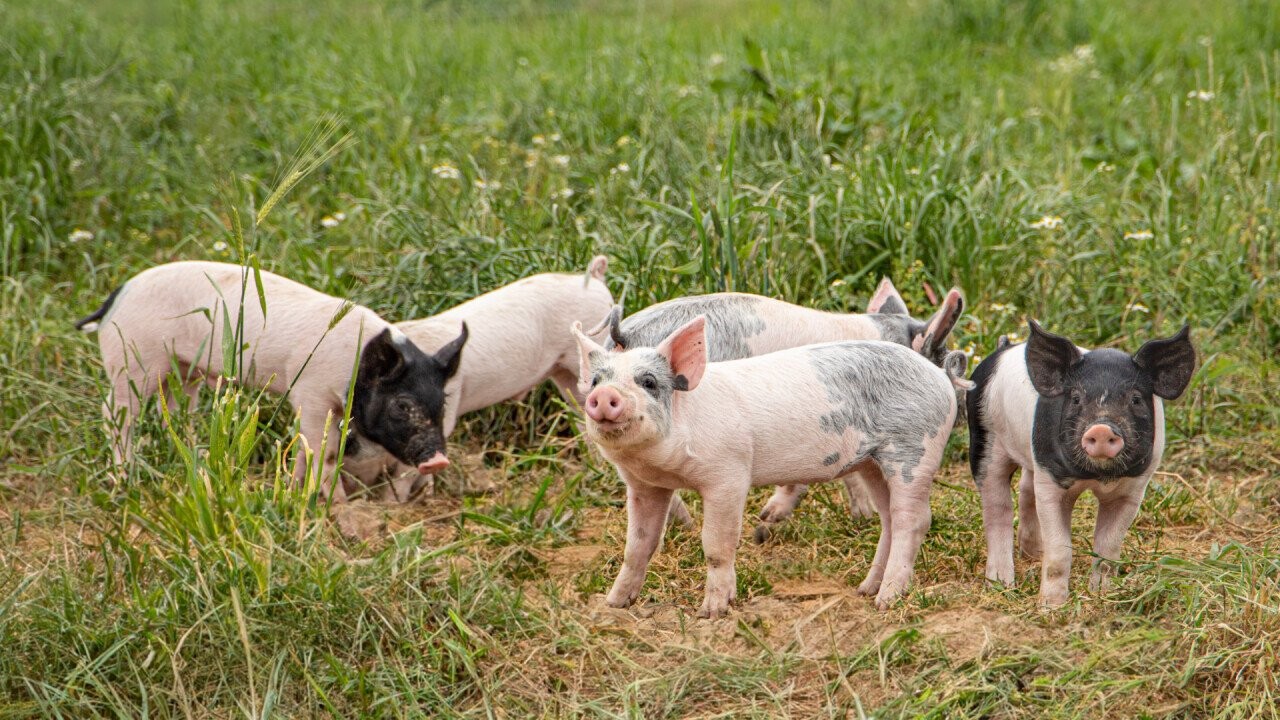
(1073, 420)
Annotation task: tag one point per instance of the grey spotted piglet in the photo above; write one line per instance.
(1073, 420)
(669, 420)
(517, 340)
(741, 326)
(289, 339)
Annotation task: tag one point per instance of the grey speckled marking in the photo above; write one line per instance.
(600, 372)
(731, 321)
(648, 361)
(897, 329)
(831, 459)
(893, 306)
(873, 389)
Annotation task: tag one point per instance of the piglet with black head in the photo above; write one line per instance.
(1073, 420)
(399, 398)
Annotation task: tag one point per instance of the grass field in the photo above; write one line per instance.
(1111, 169)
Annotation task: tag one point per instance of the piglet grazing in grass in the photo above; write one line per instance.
(670, 421)
(741, 326)
(289, 339)
(1073, 420)
(517, 341)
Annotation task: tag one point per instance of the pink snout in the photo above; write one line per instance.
(1102, 442)
(604, 404)
(435, 464)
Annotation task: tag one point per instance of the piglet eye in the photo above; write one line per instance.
(1135, 399)
(1076, 399)
(595, 380)
(648, 383)
(402, 406)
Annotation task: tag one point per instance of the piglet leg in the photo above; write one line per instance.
(874, 487)
(1053, 509)
(721, 529)
(997, 517)
(1028, 521)
(1115, 515)
(678, 514)
(909, 508)
(780, 506)
(646, 518)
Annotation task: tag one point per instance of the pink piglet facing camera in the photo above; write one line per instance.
(668, 420)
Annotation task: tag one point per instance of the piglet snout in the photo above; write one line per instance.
(604, 404)
(1102, 442)
(435, 464)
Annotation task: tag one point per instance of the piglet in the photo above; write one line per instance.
(741, 326)
(1073, 420)
(669, 420)
(517, 341)
(290, 339)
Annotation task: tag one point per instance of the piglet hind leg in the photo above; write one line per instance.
(781, 504)
(876, 490)
(997, 516)
(678, 514)
(1115, 516)
(910, 517)
(646, 518)
(1028, 521)
(722, 509)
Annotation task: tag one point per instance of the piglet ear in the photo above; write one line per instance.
(381, 361)
(1049, 359)
(587, 350)
(886, 300)
(613, 323)
(933, 340)
(686, 350)
(449, 356)
(1170, 361)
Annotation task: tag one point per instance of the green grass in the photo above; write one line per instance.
(799, 150)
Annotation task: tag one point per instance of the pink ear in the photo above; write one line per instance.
(686, 350)
(886, 299)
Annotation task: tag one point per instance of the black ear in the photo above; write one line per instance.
(1170, 361)
(450, 355)
(615, 328)
(380, 361)
(1049, 358)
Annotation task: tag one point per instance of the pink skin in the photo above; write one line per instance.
(743, 423)
(160, 317)
(516, 342)
(793, 326)
(1044, 508)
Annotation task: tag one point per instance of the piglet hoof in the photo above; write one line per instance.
(869, 587)
(1099, 581)
(762, 533)
(1000, 576)
(1052, 600)
(620, 598)
(886, 598)
(714, 607)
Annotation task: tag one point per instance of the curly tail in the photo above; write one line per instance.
(956, 364)
(596, 269)
(89, 323)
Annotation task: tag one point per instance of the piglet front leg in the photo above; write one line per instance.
(1115, 515)
(646, 519)
(722, 508)
(1053, 509)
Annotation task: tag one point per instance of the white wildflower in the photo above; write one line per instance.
(329, 221)
(561, 161)
(80, 235)
(1048, 222)
(623, 141)
(220, 247)
(488, 185)
(539, 140)
(1139, 308)
(556, 137)
(685, 91)
(446, 171)
(620, 169)
(565, 194)
(1139, 235)
(1201, 95)
(716, 60)
(339, 216)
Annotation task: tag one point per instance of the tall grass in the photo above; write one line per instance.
(800, 150)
